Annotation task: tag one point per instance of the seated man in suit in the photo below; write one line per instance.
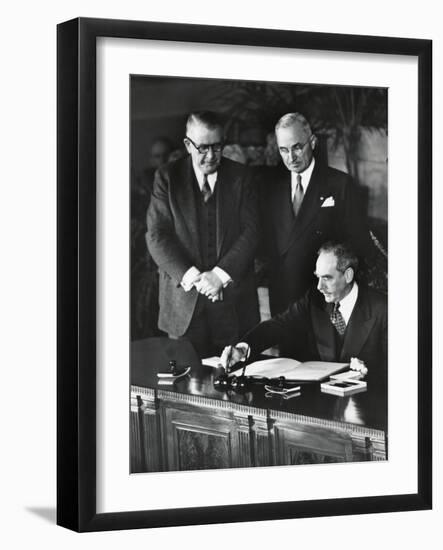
(338, 320)
(202, 234)
(305, 203)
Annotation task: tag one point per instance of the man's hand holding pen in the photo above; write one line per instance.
(234, 354)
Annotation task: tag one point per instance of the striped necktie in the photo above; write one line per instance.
(298, 196)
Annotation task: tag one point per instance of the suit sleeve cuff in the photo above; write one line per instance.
(188, 278)
(222, 275)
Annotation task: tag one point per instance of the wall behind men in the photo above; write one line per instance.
(159, 107)
(372, 169)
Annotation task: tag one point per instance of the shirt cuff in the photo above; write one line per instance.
(222, 275)
(187, 281)
(246, 348)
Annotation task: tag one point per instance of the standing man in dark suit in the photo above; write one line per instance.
(305, 204)
(202, 234)
(338, 321)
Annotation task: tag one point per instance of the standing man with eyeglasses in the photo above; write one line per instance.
(203, 234)
(305, 204)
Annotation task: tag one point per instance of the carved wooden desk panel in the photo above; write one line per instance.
(190, 425)
(172, 431)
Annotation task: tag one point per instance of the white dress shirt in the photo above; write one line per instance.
(212, 179)
(348, 302)
(305, 179)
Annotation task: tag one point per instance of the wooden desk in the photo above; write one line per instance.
(191, 425)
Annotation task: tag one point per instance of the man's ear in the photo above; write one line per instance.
(187, 144)
(314, 141)
(349, 275)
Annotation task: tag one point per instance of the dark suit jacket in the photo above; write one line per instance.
(307, 324)
(291, 244)
(173, 240)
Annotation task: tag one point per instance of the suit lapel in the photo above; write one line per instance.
(309, 210)
(185, 196)
(310, 205)
(283, 218)
(324, 330)
(360, 325)
(226, 195)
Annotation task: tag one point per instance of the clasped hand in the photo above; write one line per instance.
(209, 284)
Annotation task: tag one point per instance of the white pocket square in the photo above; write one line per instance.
(328, 202)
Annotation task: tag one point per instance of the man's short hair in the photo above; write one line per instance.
(210, 119)
(346, 257)
(289, 119)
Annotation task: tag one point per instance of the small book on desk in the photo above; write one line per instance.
(343, 387)
(291, 369)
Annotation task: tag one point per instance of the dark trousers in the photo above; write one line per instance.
(214, 325)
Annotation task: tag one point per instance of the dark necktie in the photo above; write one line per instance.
(206, 189)
(337, 319)
(298, 196)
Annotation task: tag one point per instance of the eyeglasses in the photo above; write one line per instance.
(204, 148)
(297, 149)
(281, 389)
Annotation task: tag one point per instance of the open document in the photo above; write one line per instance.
(291, 369)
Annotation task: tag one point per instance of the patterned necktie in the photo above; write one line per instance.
(206, 189)
(298, 196)
(337, 319)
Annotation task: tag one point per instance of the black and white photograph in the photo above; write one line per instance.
(258, 273)
(205, 210)
(244, 274)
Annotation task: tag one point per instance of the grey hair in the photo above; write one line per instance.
(346, 257)
(289, 119)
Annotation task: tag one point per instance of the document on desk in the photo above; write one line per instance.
(291, 369)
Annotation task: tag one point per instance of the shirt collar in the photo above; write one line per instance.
(212, 178)
(348, 302)
(305, 177)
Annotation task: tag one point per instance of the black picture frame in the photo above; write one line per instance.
(76, 295)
